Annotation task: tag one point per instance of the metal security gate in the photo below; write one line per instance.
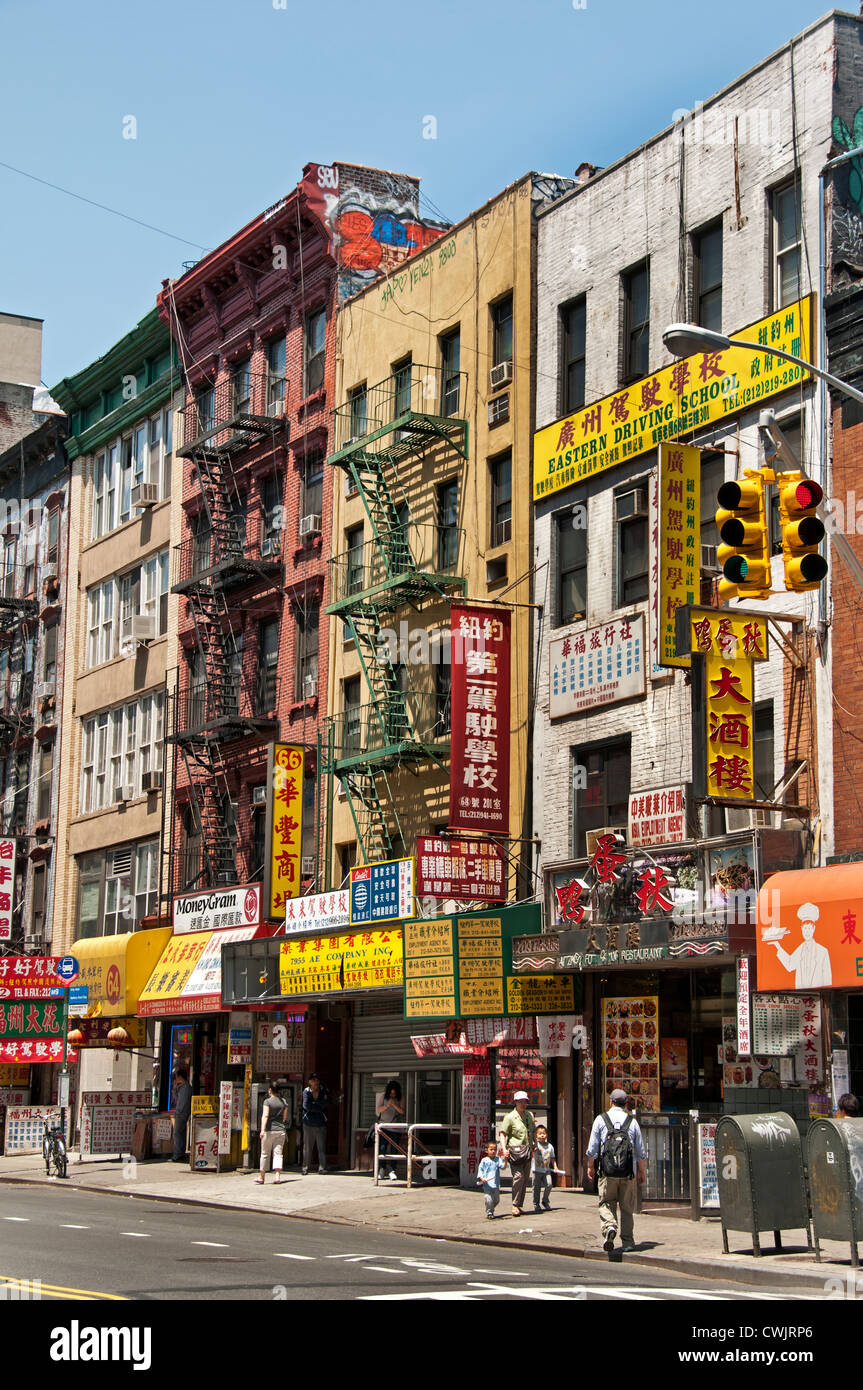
(666, 1138)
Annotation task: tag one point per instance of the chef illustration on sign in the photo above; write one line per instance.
(811, 961)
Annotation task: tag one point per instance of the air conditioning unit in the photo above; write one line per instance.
(151, 781)
(307, 866)
(270, 546)
(498, 409)
(45, 689)
(630, 504)
(310, 525)
(225, 878)
(310, 687)
(351, 488)
(123, 793)
(708, 558)
(49, 572)
(276, 408)
(145, 495)
(33, 941)
(259, 795)
(593, 837)
(501, 375)
(141, 627)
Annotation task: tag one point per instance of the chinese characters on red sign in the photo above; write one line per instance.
(463, 869)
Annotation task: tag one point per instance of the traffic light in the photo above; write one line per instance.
(744, 554)
(802, 532)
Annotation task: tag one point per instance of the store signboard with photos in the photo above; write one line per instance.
(631, 1048)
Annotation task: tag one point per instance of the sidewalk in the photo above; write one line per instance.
(665, 1240)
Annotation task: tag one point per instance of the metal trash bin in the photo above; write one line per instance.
(835, 1150)
(759, 1166)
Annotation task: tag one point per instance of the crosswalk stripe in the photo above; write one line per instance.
(286, 1255)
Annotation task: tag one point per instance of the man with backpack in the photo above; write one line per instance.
(617, 1146)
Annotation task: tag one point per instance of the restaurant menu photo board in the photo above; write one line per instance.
(631, 1048)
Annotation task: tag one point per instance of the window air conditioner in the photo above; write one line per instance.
(49, 572)
(141, 627)
(498, 409)
(151, 781)
(351, 488)
(45, 689)
(708, 558)
(630, 504)
(259, 795)
(310, 525)
(501, 375)
(593, 837)
(307, 866)
(32, 941)
(276, 408)
(270, 546)
(145, 495)
(225, 878)
(310, 687)
(123, 793)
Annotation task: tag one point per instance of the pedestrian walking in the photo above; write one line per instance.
(274, 1117)
(488, 1177)
(182, 1112)
(389, 1110)
(316, 1098)
(543, 1170)
(617, 1146)
(517, 1138)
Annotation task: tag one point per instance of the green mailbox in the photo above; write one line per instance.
(759, 1167)
(835, 1149)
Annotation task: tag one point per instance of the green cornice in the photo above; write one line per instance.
(128, 413)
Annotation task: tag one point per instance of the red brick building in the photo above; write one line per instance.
(254, 327)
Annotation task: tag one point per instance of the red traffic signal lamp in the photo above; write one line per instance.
(744, 552)
(802, 532)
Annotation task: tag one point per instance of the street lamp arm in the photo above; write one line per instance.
(845, 387)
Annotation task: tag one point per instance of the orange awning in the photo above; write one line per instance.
(810, 929)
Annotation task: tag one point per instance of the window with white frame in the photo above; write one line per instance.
(100, 623)
(111, 605)
(117, 888)
(118, 747)
(143, 456)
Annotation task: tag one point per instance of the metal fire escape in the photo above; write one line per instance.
(16, 714)
(390, 427)
(214, 706)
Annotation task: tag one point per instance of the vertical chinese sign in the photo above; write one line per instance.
(285, 825)
(728, 645)
(479, 762)
(7, 887)
(678, 565)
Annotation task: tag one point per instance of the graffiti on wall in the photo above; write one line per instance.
(374, 228)
(848, 192)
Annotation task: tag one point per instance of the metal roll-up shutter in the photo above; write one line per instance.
(382, 1042)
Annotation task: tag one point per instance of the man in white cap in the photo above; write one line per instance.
(616, 1142)
(517, 1140)
(810, 962)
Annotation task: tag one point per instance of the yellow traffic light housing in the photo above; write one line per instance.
(802, 532)
(744, 554)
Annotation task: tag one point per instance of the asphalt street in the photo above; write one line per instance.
(57, 1243)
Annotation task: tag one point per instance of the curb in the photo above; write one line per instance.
(696, 1269)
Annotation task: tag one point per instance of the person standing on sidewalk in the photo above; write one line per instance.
(617, 1144)
(182, 1112)
(274, 1114)
(488, 1177)
(517, 1139)
(316, 1098)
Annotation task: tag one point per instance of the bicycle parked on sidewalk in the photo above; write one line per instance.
(54, 1151)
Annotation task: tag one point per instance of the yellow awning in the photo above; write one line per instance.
(188, 976)
(116, 968)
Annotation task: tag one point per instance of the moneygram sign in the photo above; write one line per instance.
(233, 907)
(685, 396)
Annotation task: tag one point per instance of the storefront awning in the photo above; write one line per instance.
(116, 968)
(188, 976)
(810, 929)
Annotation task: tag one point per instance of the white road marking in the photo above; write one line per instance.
(544, 1293)
(215, 1244)
(68, 1226)
(16, 1218)
(284, 1255)
(550, 1295)
(384, 1269)
(504, 1273)
(139, 1235)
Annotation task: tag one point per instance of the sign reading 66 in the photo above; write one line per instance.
(287, 825)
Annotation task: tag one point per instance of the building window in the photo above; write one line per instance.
(100, 623)
(792, 429)
(117, 888)
(600, 782)
(447, 519)
(268, 665)
(712, 478)
(315, 350)
(354, 559)
(259, 844)
(443, 697)
(52, 551)
(572, 564)
(272, 513)
(37, 910)
(358, 410)
(118, 748)
(351, 697)
(501, 331)
(707, 266)
(633, 531)
(763, 751)
(241, 387)
(9, 569)
(205, 405)
(100, 480)
(307, 650)
(636, 322)
(30, 543)
(450, 358)
(500, 476)
(347, 860)
(46, 774)
(191, 848)
(573, 322)
(313, 484)
(401, 387)
(785, 203)
(202, 541)
(276, 385)
(49, 654)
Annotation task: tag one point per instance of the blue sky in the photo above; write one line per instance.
(233, 97)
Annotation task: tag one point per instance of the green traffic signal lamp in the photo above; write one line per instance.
(744, 553)
(802, 533)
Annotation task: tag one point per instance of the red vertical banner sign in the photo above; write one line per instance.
(480, 702)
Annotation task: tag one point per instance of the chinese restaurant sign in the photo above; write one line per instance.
(729, 644)
(810, 929)
(679, 559)
(596, 667)
(658, 817)
(331, 964)
(462, 869)
(679, 398)
(480, 700)
(382, 892)
(286, 791)
(463, 965)
(7, 886)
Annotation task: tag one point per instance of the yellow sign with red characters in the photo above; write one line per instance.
(685, 396)
(286, 793)
(678, 567)
(729, 644)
